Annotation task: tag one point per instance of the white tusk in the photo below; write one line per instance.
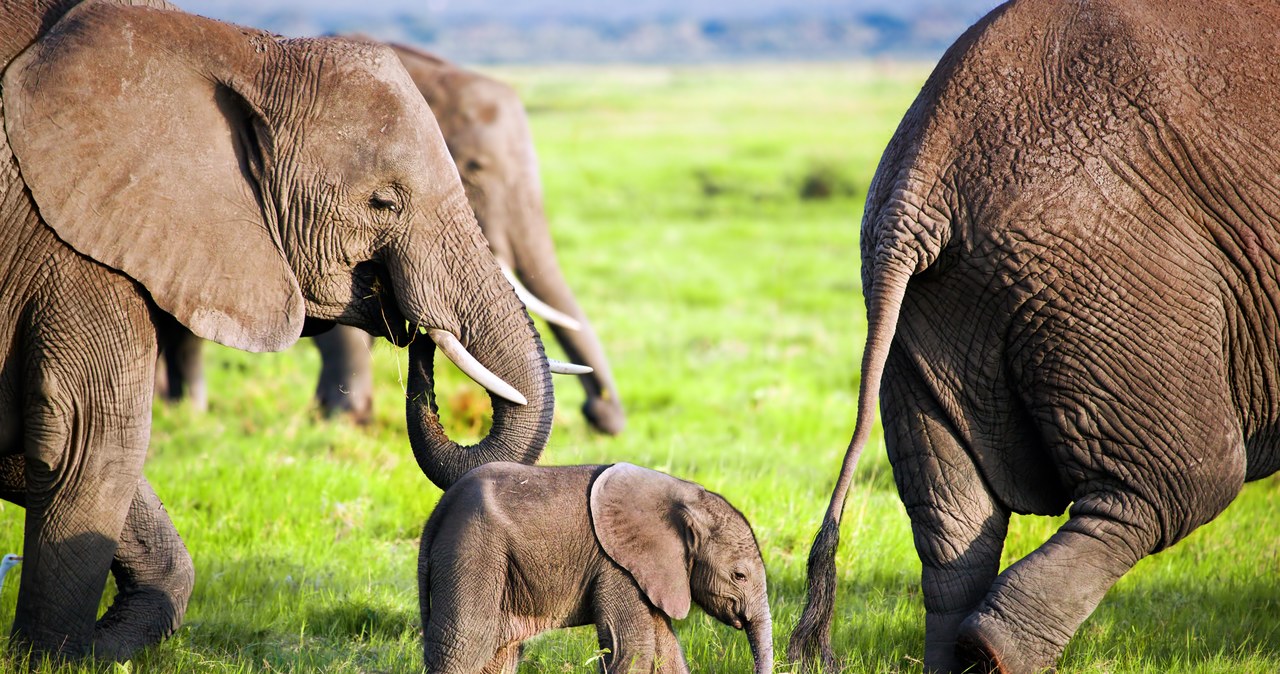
(561, 367)
(538, 307)
(472, 367)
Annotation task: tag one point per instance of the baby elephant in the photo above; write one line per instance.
(514, 550)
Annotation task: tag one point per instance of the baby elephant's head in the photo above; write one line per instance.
(681, 542)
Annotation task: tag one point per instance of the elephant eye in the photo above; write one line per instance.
(385, 200)
(739, 577)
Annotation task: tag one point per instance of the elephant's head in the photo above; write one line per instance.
(487, 132)
(249, 181)
(681, 542)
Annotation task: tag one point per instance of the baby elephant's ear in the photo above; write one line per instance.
(636, 518)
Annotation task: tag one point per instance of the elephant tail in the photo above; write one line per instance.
(812, 636)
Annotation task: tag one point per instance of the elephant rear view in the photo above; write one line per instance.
(158, 163)
(1070, 253)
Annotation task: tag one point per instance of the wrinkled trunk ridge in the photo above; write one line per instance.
(760, 637)
(494, 329)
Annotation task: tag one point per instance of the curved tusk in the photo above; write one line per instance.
(561, 367)
(539, 308)
(472, 367)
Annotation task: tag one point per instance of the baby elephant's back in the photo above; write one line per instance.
(520, 507)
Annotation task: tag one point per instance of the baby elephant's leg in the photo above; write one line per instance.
(624, 626)
(669, 658)
(505, 661)
(463, 624)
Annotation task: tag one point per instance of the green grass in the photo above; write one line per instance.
(730, 307)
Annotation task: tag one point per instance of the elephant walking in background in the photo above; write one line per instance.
(1070, 254)
(160, 166)
(487, 133)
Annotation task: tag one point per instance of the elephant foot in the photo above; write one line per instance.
(988, 645)
(605, 415)
(138, 618)
(154, 578)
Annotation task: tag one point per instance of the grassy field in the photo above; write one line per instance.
(708, 219)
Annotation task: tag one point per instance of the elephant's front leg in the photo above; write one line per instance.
(90, 360)
(669, 658)
(958, 527)
(82, 474)
(154, 578)
(153, 571)
(624, 626)
(182, 374)
(346, 373)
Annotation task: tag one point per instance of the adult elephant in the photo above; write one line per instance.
(1070, 253)
(158, 164)
(487, 133)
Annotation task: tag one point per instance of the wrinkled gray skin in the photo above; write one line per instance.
(1074, 233)
(512, 550)
(161, 166)
(487, 132)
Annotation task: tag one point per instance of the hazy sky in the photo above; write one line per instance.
(593, 8)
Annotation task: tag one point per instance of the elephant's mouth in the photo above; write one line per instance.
(381, 312)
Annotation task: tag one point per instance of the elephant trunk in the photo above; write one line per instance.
(490, 324)
(760, 637)
(534, 262)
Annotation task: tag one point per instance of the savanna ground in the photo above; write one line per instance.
(708, 219)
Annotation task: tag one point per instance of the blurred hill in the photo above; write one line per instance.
(646, 31)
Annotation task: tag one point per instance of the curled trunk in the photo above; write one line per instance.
(499, 334)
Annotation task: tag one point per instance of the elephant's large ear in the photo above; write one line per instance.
(638, 520)
(140, 154)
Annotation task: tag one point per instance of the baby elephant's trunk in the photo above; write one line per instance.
(760, 636)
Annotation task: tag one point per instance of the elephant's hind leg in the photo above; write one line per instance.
(1036, 605)
(465, 633)
(1153, 450)
(505, 661)
(958, 527)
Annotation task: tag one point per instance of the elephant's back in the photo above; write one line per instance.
(1086, 175)
(534, 499)
(1124, 98)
